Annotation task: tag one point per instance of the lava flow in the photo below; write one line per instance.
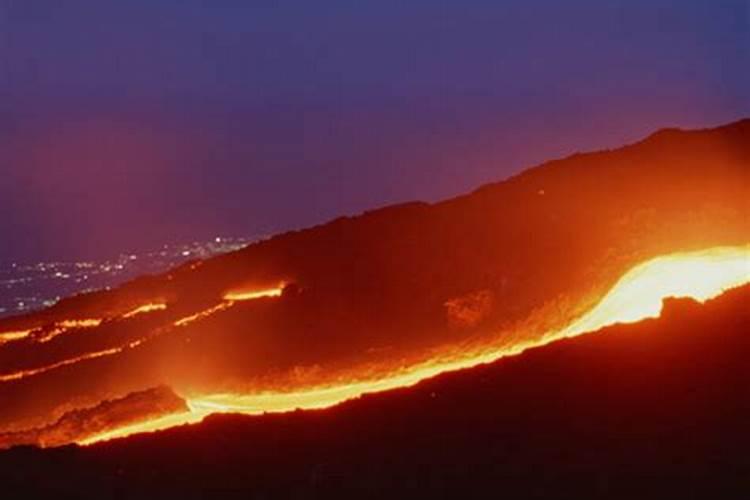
(68, 325)
(57, 329)
(636, 296)
(146, 308)
(229, 300)
(14, 335)
(252, 294)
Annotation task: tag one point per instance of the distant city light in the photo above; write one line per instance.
(27, 287)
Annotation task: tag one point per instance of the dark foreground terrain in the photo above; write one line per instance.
(658, 409)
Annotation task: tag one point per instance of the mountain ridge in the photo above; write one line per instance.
(388, 286)
(733, 133)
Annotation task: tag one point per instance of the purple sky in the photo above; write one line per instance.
(127, 124)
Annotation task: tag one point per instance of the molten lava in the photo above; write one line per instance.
(229, 300)
(18, 375)
(637, 295)
(146, 308)
(66, 326)
(43, 335)
(203, 314)
(14, 335)
(252, 294)
(81, 323)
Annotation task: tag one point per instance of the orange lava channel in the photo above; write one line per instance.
(240, 295)
(14, 335)
(67, 325)
(203, 314)
(59, 329)
(146, 308)
(637, 295)
(7, 377)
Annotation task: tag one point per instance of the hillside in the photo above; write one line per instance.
(387, 286)
(656, 409)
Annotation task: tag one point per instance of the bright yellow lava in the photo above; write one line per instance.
(637, 295)
(18, 375)
(15, 335)
(30, 372)
(240, 295)
(145, 308)
(59, 328)
(203, 314)
(66, 325)
(81, 323)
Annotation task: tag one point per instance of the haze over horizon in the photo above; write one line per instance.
(129, 125)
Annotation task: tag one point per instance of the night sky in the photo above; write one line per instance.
(127, 124)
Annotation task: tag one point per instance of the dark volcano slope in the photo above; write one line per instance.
(529, 236)
(657, 409)
(379, 283)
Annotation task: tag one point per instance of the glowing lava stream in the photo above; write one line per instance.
(66, 325)
(14, 335)
(145, 308)
(18, 375)
(240, 295)
(637, 295)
